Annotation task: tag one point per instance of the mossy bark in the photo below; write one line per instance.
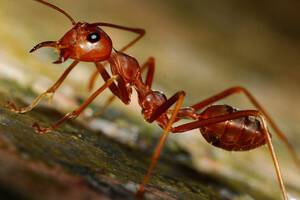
(77, 163)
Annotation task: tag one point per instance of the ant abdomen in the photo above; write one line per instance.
(240, 134)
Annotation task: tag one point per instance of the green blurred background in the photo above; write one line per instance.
(200, 46)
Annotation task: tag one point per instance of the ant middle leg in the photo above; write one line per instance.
(49, 93)
(76, 112)
(149, 65)
(176, 99)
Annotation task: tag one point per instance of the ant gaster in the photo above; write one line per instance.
(221, 125)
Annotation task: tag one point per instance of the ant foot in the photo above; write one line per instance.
(13, 107)
(41, 130)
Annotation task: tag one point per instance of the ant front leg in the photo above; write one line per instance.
(76, 112)
(176, 99)
(148, 66)
(113, 88)
(119, 90)
(49, 93)
(204, 123)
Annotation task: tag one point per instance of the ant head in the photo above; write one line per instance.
(84, 42)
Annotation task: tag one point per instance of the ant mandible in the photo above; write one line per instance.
(221, 125)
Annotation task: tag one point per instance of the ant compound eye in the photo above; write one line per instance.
(93, 37)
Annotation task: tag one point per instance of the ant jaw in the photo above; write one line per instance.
(44, 44)
(63, 54)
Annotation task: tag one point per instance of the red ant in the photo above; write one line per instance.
(221, 125)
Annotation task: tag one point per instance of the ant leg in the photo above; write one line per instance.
(149, 65)
(50, 92)
(236, 115)
(105, 75)
(178, 99)
(76, 112)
(104, 107)
(113, 88)
(253, 100)
(92, 80)
(119, 90)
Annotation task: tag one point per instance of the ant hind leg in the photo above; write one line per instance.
(239, 114)
(252, 99)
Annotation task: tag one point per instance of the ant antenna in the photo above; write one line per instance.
(58, 9)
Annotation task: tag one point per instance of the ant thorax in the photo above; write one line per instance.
(124, 66)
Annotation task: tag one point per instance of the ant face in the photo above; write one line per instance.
(85, 42)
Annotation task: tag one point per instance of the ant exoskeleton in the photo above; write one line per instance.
(221, 125)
